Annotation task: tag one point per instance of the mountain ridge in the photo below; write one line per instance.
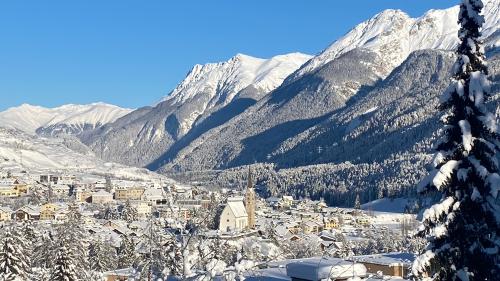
(68, 118)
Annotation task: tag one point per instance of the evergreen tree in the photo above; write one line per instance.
(102, 257)
(64, 269)
(110, 213)
(74, 238)
(462, 230)
(13, 262)
(126, 253)
(129, 212)
(357, 203)
(44, 252)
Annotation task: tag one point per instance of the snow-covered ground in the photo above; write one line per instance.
(396, 205)
(21, 151)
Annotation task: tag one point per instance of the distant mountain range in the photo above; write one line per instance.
(360, 115)
(68, 119)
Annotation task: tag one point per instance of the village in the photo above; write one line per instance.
(308, 231)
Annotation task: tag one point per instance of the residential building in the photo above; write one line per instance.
(143, 208)
(390, 264)
(12, 187)
(154, 196)
(28, 212)
(330, 223)
(102, 197)
(83, 195)
(310, 226)
(129, 193)
(53, 211)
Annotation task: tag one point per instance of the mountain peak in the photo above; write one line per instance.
(236, 77)
(214, 85)
(395, 34)
(391, 13)
(240, 56)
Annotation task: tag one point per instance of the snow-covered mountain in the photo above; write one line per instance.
(395, 35)
(236, 112)
(68, 119)
(214, 85)
(209, 96)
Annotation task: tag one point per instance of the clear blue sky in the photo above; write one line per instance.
(132, 53)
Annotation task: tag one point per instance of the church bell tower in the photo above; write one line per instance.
(250, 201)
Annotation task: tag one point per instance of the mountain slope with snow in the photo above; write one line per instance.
(395, 35)
(214, 85)
(68, 119)
(209, 96)
(20, 151)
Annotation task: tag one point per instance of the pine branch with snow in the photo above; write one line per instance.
(65, 269)
(13, 262)
(462, 230)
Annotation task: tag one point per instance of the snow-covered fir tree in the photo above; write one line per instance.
(129, 212)
(357, 203)
(126, 253)
(153, 261)
(13, 262)
(463, 228)
(65, 268)
(102, 256)
(44, 250)
(74, 238)
(110, 213)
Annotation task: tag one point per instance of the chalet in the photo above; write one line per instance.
(330, 223)
(310, 226)
(12, 187)
(27, 212)
(53, 211)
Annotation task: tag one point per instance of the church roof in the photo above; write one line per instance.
(238, 208)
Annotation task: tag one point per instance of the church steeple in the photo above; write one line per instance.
(250, 200)
(249, 178)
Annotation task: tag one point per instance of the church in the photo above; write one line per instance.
(239, 212)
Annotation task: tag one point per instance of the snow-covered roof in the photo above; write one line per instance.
(154, 193)
(102, 193)
(30, 209)
(125, 272)
(5, 209)
(238, 208)
(387, 258)
(324, 268)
